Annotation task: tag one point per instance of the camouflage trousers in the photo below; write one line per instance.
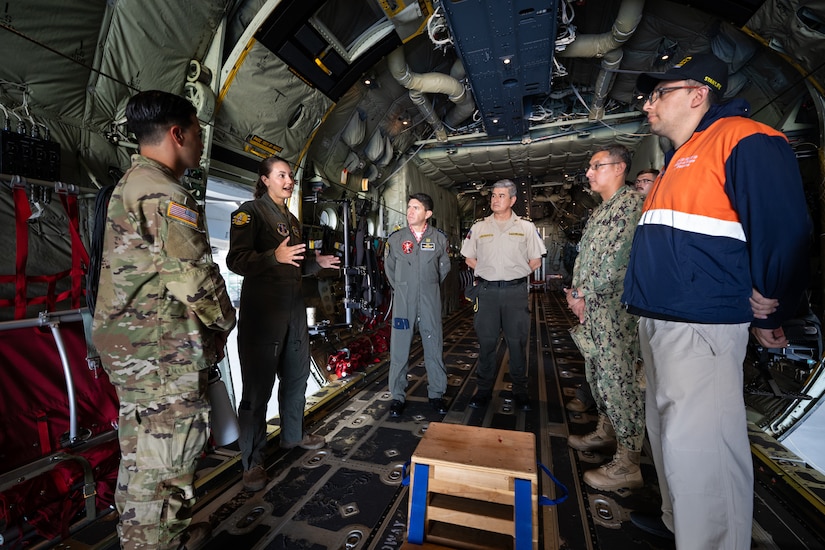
(163, 427)
(609, 343)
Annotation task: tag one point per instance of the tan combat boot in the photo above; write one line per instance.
(603, 438)
(620, 473)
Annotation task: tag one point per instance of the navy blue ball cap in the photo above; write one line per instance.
(701, 67)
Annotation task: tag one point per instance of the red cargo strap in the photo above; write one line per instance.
(43, 433)
(80, 258)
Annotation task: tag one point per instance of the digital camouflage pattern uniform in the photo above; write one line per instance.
(415, 271)
(607, 339)
(161, 304)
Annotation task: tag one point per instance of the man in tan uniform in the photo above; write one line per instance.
(504, 250)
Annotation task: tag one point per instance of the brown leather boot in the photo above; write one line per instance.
(620, 473)
(254, 479)
(603, 438)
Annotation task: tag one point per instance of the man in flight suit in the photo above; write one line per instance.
(504, 250)
(416, 262)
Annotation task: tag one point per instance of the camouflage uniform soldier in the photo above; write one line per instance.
(162, 318)
(608, 333)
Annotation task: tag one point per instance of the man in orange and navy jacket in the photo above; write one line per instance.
(726, 222)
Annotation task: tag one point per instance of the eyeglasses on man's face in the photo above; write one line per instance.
(657, 94)
(598, 165)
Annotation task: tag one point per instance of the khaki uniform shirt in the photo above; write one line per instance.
(503, 252)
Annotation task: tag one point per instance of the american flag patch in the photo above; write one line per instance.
(183, 214)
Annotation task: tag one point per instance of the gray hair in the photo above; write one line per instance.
(508, 184)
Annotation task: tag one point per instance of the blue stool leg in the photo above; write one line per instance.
(418, 504)
(524, 515)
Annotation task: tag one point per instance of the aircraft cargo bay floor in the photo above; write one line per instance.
(350, 495)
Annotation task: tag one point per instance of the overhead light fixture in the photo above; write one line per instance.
(365, 184)
(667, 50)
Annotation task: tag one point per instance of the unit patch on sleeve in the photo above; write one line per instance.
(240, 219)
(182, 213)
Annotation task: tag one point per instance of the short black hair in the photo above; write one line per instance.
(651, 171)
(620, 153)
(149, 114)
(424, 199)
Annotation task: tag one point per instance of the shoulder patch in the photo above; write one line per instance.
(182, 213)
(240, 219)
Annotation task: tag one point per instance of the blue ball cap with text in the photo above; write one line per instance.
(701, 67)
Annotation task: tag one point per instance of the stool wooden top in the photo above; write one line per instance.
(482, 448)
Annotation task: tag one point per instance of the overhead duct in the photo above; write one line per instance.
(355, 129)
(607, 46)
(439, 83)
(506, 47)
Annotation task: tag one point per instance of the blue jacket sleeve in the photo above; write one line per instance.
(766, 189)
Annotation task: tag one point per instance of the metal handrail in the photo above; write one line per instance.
(52, 320)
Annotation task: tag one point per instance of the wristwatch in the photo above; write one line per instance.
(575, 294)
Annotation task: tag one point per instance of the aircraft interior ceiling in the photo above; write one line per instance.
(372, 100)
(289, 78)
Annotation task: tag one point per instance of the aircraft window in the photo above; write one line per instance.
(347, 20)
(296, 116)
(329, 218)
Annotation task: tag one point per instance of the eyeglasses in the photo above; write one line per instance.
(657, 94)
(643, 181)
(598, 165)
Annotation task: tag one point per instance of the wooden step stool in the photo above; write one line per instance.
(474, 488)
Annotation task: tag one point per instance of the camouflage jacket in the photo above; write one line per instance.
(161, 299)
(604, 248)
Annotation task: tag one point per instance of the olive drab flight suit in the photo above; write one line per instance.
(161, 304)
(273, 338)
(415, 271)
